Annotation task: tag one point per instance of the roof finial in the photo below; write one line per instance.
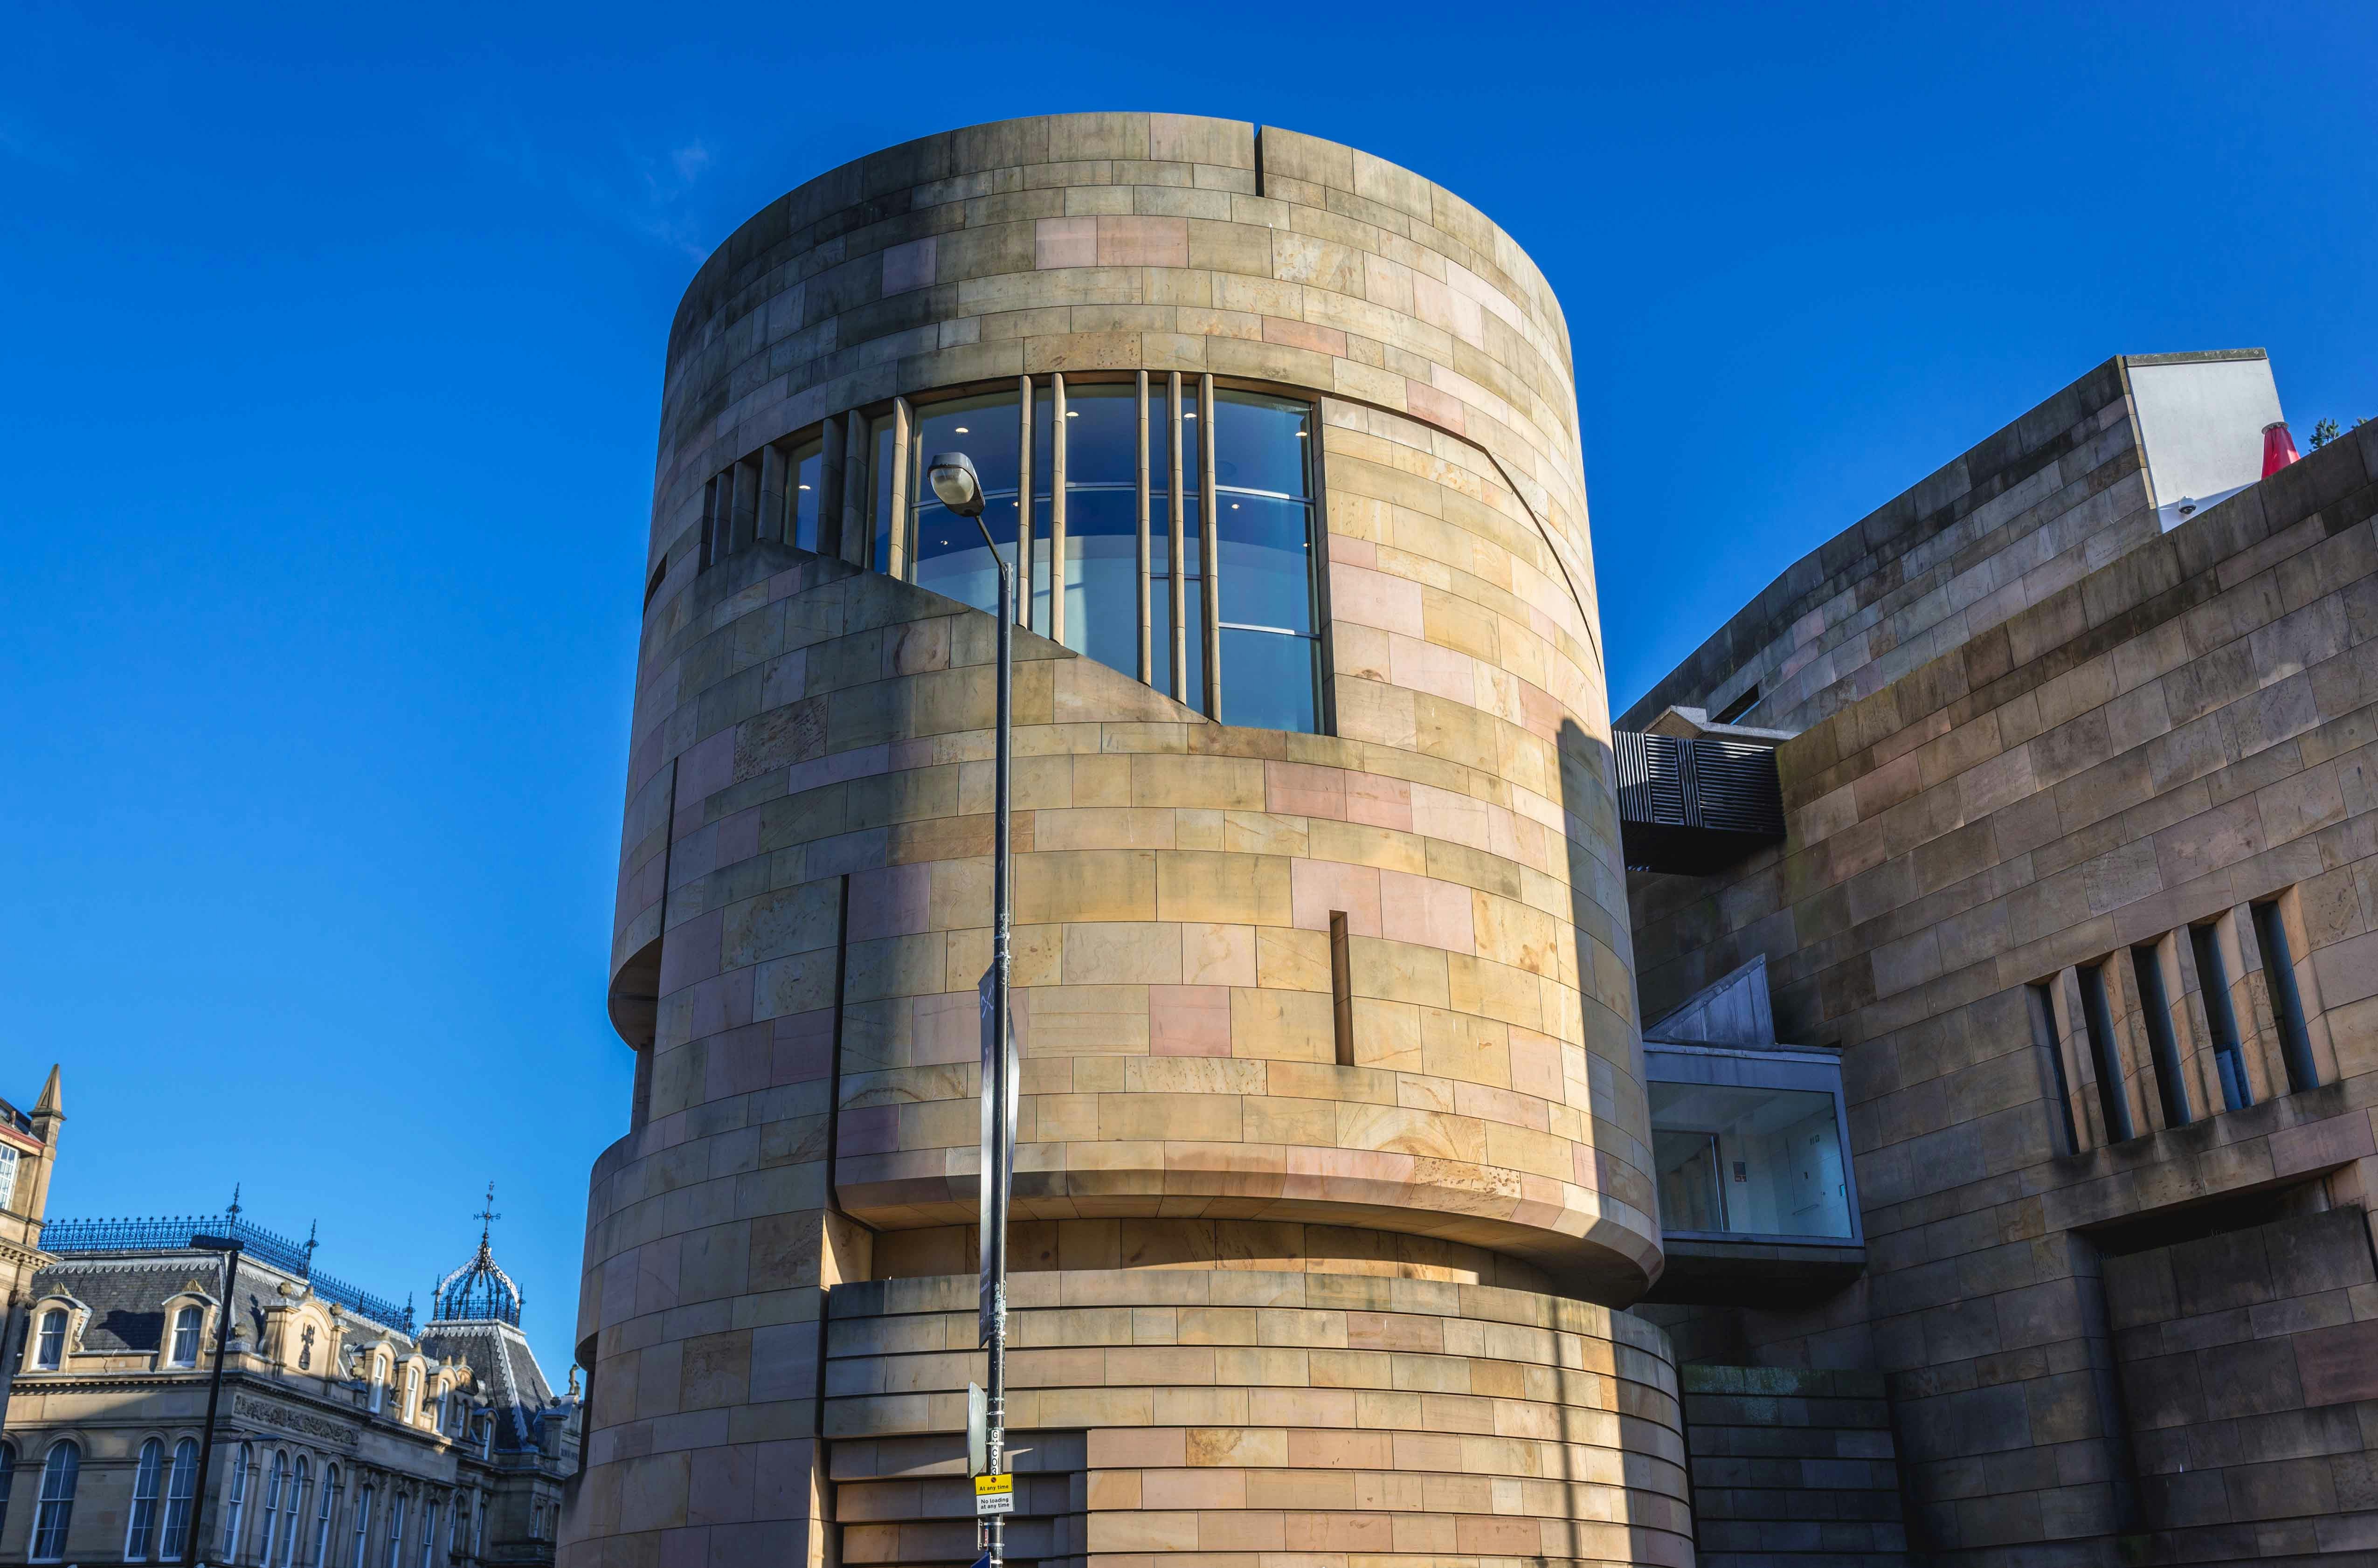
(313, 1230)
(487, 1216)
(234, 1210)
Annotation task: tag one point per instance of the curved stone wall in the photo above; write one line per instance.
(804, 898)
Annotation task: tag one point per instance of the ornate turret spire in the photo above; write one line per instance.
(480, 1290)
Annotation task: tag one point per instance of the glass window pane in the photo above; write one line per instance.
(1267, 680)
(1260, 443)
(808, 474)
(1102, 575)
(1765, 1162)
(1102, 434)
(1191, 451)
(1267, 576)
(950, 555)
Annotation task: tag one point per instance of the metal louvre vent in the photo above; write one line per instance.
(1694, 806)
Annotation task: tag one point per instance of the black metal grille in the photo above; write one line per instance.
(168, 1233)
(1694, 806)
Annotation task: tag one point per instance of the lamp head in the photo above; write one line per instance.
(955, 482)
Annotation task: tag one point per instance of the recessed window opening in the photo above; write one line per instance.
(807, 468)
(1747, 1158)
(2098, 1019)
(1342, 986)
(181, 1487)
(1732, 712)
(2043, 1035)
(145, 1477)
(2163, 1045)
(2287, 1004)
(2220, 1016)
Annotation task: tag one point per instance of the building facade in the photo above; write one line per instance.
(2078, 886)
(1334, 1166)
(29, 1149)
(345, 1435)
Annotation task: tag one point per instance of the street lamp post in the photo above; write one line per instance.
(193, 1545)
(957, 486)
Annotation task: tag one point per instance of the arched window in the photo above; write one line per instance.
(395, 1530)
(332, 1485)
(363, 1526)
(181, 1486)
(235, 1511)
(378, 1382)
(186, 1337)
(50, 1349)
(7, 1480)
(147, 1479)
(428, 1532)
(412, 1393)
(276, 1482)
(479, 1529)
(300, 1489)
(54, 1514)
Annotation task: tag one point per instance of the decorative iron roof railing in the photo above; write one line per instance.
(172, 1233)
(1694, 806)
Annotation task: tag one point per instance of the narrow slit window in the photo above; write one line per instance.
(2099, 1021)
(1732, 713)
(2220, 1017)
(2155, 1008)
(2042, 1035)
(805, 470)
(1342, 986)
(2286, 1004)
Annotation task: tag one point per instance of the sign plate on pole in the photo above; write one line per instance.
(978, 1430)
(998, 1158)
(993, 1494)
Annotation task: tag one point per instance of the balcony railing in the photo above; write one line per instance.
(169, 1233)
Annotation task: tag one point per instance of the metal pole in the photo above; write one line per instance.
(195, 1547)
(1000, 889)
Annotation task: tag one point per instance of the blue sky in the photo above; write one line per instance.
(333, 354)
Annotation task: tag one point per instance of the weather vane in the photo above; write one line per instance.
(487, 1216)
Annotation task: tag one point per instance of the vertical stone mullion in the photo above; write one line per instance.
(857, 536)
(1175, 554)
(1024, 501)
(2079, 1061)
(830, 478)
(2123, 1007)
(1146, 665)
(771, 524)
(2250, 1005)
(1057, 508)
(1208, 532)
(903, 438)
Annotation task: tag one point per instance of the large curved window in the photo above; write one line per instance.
(53, 1517)
(1114, 548)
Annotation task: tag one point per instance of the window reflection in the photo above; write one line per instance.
(1263, 524)
(1755, 1161)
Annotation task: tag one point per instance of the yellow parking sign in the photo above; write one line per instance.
(993, 1494)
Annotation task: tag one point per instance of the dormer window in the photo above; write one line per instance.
(378, 1384)
(412, 1393)
(50, 1349)
(186, 1337)
(7, 1176)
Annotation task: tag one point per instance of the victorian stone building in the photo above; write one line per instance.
(347, 1435)
(29, 1149)
(1904, 1094)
